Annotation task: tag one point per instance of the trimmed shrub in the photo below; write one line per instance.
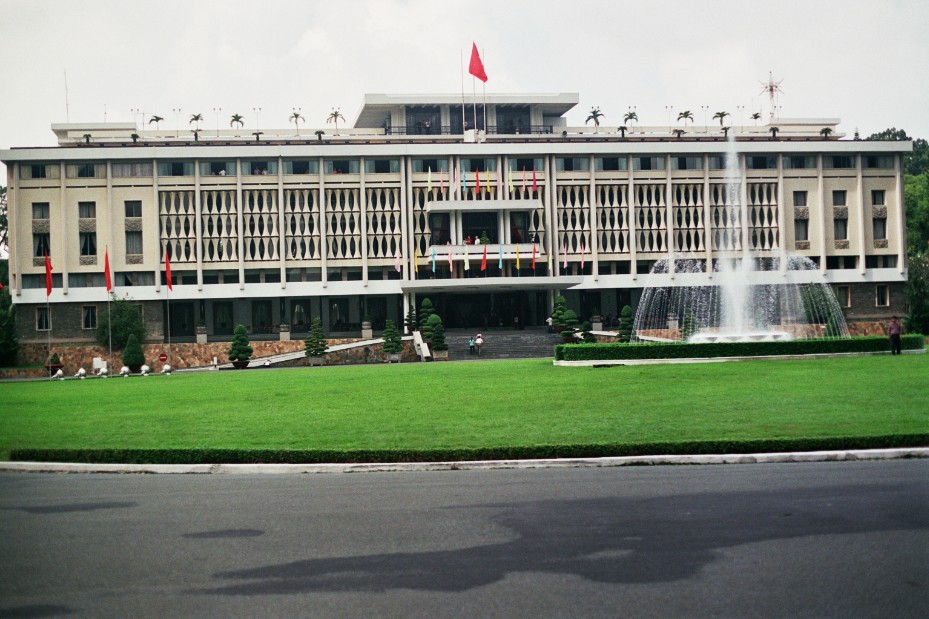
(425, 311)
(558, 311)
(125, 318)
(438, 335)
(392, 341)
(132, 354)
(240, 350)
(315, 342)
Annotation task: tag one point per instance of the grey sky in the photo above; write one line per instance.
(862, 61)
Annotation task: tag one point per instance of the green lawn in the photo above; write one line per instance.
(472, 405)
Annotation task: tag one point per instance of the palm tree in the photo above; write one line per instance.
(334, 117)
(237, 120)
(685, 116)
(825, 132)
(774, 131)
(756, 116)
(622, 131)
(196, 133)
(630, 116)
(296, 119)
(155, 119)
(679, 133)
(726, 131)
(196, 118)
(595, 115)
(319, 134)
(721, 116)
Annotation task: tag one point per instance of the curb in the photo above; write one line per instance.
(290, 469)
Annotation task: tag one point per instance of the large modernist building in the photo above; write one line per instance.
(488, 208)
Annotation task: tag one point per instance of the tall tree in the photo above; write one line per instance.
(334, 117)
(156, 119)
(685, 116)
(630, 116)
(126, 318)
(196, 118)
(237, 120)
(721, 116)
(595, 115)
(825, 132)
(296, 118)
(917, 293)
(9, 344)
(915, 162)
(4, 222)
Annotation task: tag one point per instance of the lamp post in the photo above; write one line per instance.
(297, 116)
(177, 121)
(668, 108)
(741, 108)
(217, 111)
(706, 109)
(257, 111)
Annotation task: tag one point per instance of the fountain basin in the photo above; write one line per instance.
(751, 336)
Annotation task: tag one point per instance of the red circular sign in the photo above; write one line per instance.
(162, 357)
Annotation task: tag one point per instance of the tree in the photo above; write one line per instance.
(196, 118)
(155, 119)
(410, 320)
(334, 117)
(239, 350)
(4, 222)
(558, 313)
(721, 116)
(825, 132)
(425, 311)
(916, 199)
(438, 333)
(315, 342)
(685, 116)
(126, 319)
(622, 131)
(756, 117)
(393, 343)
(915, 162)
(678, 133)
(133, 355)
(237, 120)
(595, 115)
(9, 343)
(296, 118)
(630, 116)
(917, 294)
(625, 324)
(688, 324)
(774, 131)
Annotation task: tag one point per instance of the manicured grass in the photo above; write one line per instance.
(449, 406)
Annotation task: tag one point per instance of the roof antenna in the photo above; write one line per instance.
(67, 107)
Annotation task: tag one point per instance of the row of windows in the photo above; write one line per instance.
(392, 166)
(43, 321)
(881, 295)
(840, 197)
(840, 229)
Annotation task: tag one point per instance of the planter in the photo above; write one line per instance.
(311, 361)
(53, 367)
(284, 331)
(134, 369)
(440, 355)
(201, 334)
(366, 332)
(393, 357)
(240, 364)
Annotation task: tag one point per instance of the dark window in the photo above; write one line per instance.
(648, 163)
(89, 317)
(133, 208)
(38, 171)
(525, 163)
(877, 197)
(40, 244)
(840, 162)
(86, 170)
(841, 229)
(799, 198)
(42, 321)
(799, 162)
(40, 210)
(839, 196)
(881, 295)
(88, 243)
(133, 242)
(801, 230)
(880, 228)
(611, 164)
(87, 210)
(760, 162)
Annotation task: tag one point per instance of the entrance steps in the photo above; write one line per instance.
(530, 343)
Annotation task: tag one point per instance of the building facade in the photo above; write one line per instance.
(487, 208)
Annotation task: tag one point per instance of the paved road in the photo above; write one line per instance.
(773, 540)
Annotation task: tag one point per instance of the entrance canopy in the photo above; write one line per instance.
(491, 284)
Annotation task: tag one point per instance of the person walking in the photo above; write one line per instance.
(471, 344)
(894, 330)
(479, 342)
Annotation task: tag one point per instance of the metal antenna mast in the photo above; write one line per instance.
(772, 88)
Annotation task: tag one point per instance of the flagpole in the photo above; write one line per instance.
(484, 90)
(109, 325)
(463, 112)
(48, 312)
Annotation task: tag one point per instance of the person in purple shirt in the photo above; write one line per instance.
(894, 329)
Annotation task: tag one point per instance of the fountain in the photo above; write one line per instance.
(743, 296)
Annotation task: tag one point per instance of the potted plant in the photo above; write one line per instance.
(625, 324)
(53, 364)
(240, 352)
(410, 320)
(366, 331)
(392, 342)
(558, 312)
(569, 319)
(315, 342)
(133, 357)
(439, 345)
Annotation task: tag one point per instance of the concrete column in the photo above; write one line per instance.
(63, 236)
(862, 211)
(363, 224)
(240, 210)
(901, 226)
(633, 241)
(781, 216)
(821, 189)
(281, 219)
(594, 242)
(12, 215)
(707, 217)
(669, 214)
(198, 225)
(110, 237)
(551, 181)
(156, 226)
(743, 207)
(323, 226)
(407, 237)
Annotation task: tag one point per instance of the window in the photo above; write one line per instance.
(885, 162)
(527, 164)
(382, 166)
(40, 244)
(801, 230)
(839, 196)
(436, 165)
(35, 170)
(89, 317)
(130, 169)
(717, 162)
(840, 162)
(87, 210)
(217, 168)
(610, 164)
(879, 225)
(843, 295)
(133, 242)
(799, 162)
(479, 165)
(760, 162)
(571, 164)
(877, 197)
(86, 280)
(175, 168)
(881, 295)
(342, 166)
(259, 168)
(881, 262)
(840, 229)
(135, 278)
(687, 163)
(42, 319)
(301, 167)
(841, 262)
(799, 198)
(88, 242)
(40, 210)
(648, 163)
(133, 208)
(85, 170)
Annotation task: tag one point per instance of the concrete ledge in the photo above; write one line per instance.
(609, 362)
(290, 469)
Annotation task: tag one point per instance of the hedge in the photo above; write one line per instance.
(270, 456)
(685, 350)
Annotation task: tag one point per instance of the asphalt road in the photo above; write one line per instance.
(763, 540)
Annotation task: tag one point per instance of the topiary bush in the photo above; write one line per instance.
(393, 343)
(558, 311)
(132, 353)
(438, 335)
(315, 342)
(125, 317)
(625, 324)
(426, 310)
(240, 350)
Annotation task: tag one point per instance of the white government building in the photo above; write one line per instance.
(273, 228)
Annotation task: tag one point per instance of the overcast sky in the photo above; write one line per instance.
(865, 62)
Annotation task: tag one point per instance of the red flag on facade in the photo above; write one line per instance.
(484, 259)
(48, 275)
(533, 256)
(535, 184)
(106, 270)
(477, 181)
(168, 270)
(476, 67)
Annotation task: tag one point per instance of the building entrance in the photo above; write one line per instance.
(490, 310)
